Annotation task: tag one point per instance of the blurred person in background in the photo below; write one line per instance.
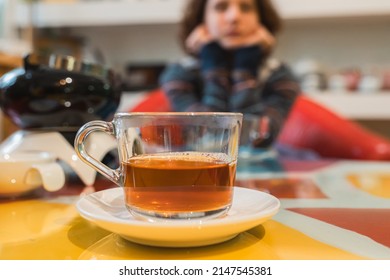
(229, 67)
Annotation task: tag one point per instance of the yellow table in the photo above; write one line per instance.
(329, 210)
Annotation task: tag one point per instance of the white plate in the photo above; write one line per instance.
(106, 209)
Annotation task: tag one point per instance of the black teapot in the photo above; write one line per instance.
(58, 93)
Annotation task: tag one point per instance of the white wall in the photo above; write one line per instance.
(336, 43)
(135, 43)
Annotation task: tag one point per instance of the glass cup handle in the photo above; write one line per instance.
(79, 145)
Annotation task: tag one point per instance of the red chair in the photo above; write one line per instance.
(309, 126)
(155, 101)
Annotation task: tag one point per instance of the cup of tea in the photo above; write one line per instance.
(172, 165)
(22, 172)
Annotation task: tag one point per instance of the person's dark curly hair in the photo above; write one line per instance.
(195, 10)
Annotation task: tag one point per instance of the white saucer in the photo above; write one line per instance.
(106, 209)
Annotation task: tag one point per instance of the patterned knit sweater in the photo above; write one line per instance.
(232, 81)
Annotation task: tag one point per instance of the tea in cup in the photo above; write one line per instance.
(22, 172)
(172, 165)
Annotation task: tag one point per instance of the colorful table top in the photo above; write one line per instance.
(329, 210)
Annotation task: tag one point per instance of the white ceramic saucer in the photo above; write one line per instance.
(106, 209)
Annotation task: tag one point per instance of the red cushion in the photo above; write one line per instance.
(155, 101)
(314, 127)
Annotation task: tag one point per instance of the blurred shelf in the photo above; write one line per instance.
(128, 12)
(309, 9)
(99, 13)
(359, 106)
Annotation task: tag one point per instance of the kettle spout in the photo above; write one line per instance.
(56, 144)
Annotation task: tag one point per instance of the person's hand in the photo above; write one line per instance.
(261, 36)
(198, 38)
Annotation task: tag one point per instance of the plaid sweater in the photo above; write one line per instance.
(232, 81)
